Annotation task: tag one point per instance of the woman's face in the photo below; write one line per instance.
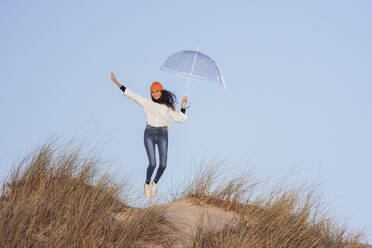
(156, 94)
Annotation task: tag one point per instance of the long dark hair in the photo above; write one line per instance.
(168, 98)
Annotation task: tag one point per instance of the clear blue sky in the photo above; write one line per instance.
(298, 74)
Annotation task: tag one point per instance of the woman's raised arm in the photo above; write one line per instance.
(135, 97)
(113, 78)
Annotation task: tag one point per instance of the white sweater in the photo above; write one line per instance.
(158, 115)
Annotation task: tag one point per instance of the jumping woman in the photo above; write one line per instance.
(159, 109)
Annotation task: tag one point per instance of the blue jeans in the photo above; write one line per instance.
(158, 136)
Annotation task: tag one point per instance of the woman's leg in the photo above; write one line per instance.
(163, 150)
(150, 150)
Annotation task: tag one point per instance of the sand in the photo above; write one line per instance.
(186, 218)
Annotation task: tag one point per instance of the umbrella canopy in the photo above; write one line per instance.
(193, 64)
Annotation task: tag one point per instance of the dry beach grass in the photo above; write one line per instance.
(286, 217)
(56, 197)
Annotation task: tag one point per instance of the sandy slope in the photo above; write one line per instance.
(186, 218)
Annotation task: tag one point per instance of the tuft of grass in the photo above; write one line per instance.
(203, 187)
(55, 198)
(291, 217)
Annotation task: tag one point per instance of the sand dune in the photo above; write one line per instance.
(55, 199)
(186, 217)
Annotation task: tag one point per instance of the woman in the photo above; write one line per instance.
(158, 111)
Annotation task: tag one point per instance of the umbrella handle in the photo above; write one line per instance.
(187, 87)
(192, 70)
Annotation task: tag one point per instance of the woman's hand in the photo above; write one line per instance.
(184, 101)
(113, 78)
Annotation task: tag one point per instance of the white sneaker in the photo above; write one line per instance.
(153, 188)
(146, 191)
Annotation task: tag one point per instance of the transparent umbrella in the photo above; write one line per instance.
(193, 64)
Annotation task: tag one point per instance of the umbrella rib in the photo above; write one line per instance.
(187, 75)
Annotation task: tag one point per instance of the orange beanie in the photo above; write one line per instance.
(156, 86)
